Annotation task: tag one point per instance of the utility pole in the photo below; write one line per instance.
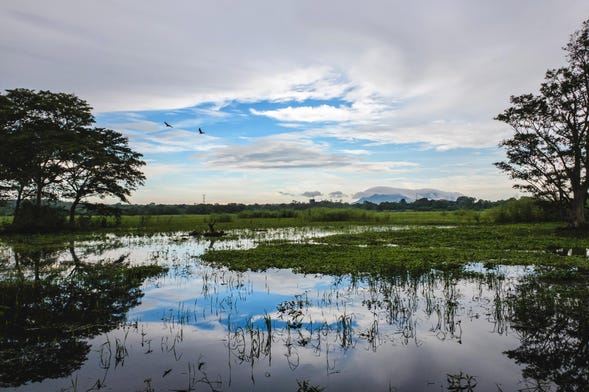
(203, 198)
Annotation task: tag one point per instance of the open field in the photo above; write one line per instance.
(310, 217)
(524, 210)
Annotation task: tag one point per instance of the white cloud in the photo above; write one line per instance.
(440, 135)
(322, 113)
(356, 152)
(431, 73)
(156, 56)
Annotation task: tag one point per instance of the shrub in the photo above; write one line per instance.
(222, 218)
(38, 219)
(265, 214)
(524, 210)
(338, 215)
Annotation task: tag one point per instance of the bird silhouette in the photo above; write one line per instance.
(201, 132)
(168, 125)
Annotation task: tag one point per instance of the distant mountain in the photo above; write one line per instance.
(380, 194)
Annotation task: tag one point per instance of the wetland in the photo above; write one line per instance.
(333, 308)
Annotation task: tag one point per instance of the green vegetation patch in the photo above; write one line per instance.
(263, 219)
(415, 249)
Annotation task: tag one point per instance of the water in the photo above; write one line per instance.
(199, 328)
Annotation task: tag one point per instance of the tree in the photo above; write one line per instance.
(104, 165)
(50, 150)
(549, 152)
(38, 130)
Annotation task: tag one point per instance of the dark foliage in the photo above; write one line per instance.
(51, 152)
(32, 218)
(548, 154)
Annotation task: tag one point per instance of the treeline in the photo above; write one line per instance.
(525, 209)
(289, 209)
(424, 204)
(286, 210)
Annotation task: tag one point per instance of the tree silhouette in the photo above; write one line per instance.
(38, 131)
(102, 165)
(549, 152)
(50, 151)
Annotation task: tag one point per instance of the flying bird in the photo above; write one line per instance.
(201, 132)
(168, 125)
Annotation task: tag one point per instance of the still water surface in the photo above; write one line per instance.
(200, 328)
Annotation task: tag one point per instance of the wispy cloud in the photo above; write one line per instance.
(275, 154)
(289, 151)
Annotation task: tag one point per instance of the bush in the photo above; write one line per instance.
(338, 215)
(222, 218)
(38, 219)
(267, 214)
(523, 210)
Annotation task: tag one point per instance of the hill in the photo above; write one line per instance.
(382, 194)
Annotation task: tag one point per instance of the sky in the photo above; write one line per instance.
(298, 99)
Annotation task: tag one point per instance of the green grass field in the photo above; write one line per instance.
(427, 240)
(523, 210)
(311, 217)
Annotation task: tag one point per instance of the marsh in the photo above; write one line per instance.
(157, 313)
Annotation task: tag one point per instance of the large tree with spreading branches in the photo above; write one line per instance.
(50, 150)
(548, 154)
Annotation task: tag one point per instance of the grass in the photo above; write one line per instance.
(311, 217)
(415, 249)
(319, 216)
(441, 240)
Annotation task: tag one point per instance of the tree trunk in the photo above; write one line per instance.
(17, 204)
(577, 212)
(39, 196)
(73, 211)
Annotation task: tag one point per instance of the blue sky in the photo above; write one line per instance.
(296, 98)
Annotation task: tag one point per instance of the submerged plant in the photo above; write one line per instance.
(306, 386)
(461, 382)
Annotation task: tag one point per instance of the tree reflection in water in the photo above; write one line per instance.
(551, 316)
(49, 308)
